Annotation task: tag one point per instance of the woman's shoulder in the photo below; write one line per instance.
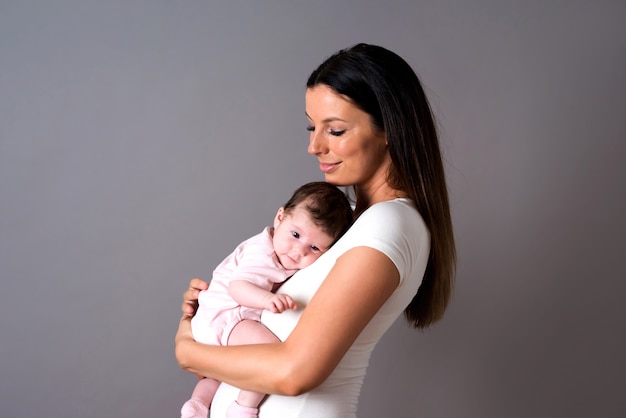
(395, 228)
(393, 215)
(394, 223)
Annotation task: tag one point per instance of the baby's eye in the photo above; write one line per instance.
(314, 248)
(295, 234)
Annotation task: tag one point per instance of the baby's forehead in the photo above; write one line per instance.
(301, 212)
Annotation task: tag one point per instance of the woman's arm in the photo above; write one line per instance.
(360, 282)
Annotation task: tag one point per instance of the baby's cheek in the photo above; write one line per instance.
(279, 248)
(312, 258)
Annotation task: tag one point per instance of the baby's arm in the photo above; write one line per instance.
(248, 294)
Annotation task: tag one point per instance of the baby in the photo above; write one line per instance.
(229, 311)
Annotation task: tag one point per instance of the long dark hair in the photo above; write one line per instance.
(384, 85)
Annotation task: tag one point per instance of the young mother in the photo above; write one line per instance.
(371, 128)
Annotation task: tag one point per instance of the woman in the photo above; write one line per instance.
(370, 128)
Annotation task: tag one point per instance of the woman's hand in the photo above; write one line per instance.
(184, 337)
(184, 343)
(190, 297)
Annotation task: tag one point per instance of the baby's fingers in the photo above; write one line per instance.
(289, 303)
(283, 303)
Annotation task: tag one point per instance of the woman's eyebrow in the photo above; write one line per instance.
(329, 119)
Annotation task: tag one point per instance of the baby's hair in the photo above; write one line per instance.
(328, 206)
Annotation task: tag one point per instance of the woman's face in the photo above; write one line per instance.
(342, 137)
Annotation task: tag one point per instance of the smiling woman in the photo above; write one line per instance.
(350, 148)
(370, 128)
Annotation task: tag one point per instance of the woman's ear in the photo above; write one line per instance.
(279, 217)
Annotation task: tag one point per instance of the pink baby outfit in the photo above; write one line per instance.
(253, 260)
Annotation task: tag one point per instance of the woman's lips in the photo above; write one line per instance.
(328, 167)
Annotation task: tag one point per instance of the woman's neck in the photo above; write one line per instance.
(366, 197)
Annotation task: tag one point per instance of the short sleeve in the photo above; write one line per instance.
(396, 229)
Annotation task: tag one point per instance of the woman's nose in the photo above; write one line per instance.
(316, 144)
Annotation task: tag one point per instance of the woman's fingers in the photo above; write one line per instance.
(199, 284)
(190, 296)
(189, 309)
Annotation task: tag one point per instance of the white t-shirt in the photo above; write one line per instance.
(394, 228)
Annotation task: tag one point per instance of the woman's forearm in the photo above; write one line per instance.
(357, 286)
(266, 368)
(262, 368)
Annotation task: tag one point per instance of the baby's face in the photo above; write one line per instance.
(297, 240)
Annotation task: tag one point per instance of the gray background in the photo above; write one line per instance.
(141, 140)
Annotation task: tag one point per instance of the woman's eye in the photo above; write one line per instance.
(295, 234)
(336, 133)
(333, 132)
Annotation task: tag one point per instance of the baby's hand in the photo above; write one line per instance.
(279, 303)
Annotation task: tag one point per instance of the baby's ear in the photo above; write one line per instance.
(279, 216)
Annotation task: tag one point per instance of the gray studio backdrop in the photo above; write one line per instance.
(141, 140)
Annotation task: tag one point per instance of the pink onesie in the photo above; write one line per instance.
(253, 260)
